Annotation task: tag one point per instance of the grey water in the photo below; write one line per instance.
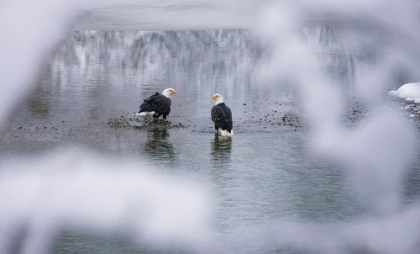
(95, 81)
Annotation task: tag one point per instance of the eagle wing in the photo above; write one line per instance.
(227, 118)
(157, 103)
(152, 97)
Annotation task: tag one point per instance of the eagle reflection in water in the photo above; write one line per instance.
(158, 145)
(221, 149)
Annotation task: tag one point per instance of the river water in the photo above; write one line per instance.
(95, 80)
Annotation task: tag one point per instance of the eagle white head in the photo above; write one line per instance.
(168, 92)
(218, 98)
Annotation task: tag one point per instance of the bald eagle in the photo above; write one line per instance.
(157, 104)
(221, 116)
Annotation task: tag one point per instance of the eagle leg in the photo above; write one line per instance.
(216, 130)
(164, 118)
(156, 117)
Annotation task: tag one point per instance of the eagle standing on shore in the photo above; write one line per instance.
(157, 105)
(221, 116)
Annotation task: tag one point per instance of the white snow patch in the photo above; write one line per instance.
(409, 92)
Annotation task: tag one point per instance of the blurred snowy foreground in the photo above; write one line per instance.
(72, 191)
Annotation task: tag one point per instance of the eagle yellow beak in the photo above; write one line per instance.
(174, 91)
(213, 97)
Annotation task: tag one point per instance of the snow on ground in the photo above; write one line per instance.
(409, 92)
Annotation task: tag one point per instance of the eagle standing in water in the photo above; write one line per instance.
(221, 116)
(157, 104)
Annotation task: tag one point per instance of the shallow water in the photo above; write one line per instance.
(95, 82)
(266, 171)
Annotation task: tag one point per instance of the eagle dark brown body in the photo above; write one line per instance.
(221, 115)
(157, 104)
